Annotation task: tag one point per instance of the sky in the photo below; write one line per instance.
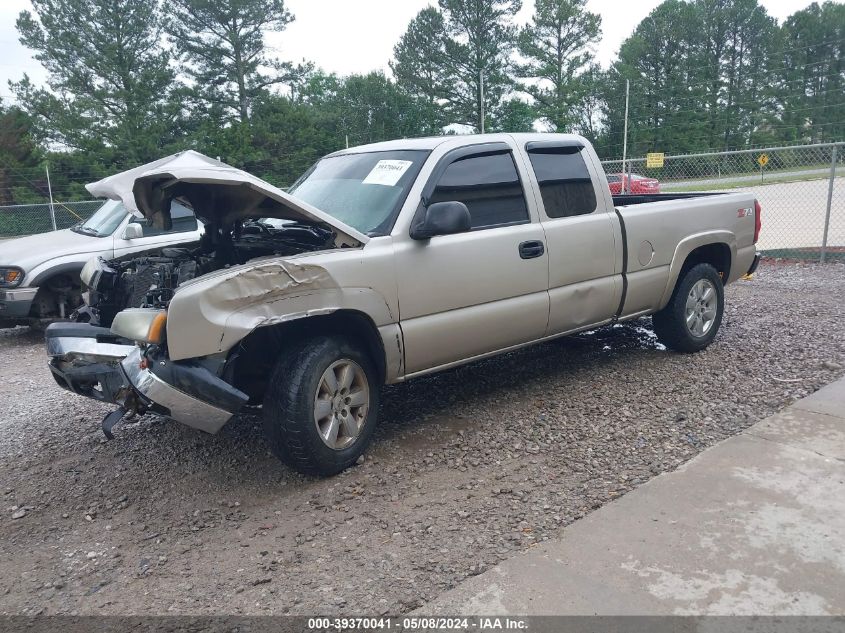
(356, 36)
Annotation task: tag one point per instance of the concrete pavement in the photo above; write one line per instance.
(753, 526)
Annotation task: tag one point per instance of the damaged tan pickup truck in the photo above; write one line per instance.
(383, 263)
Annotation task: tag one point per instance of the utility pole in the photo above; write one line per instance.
(50, 192)
(481, 97)
(625, 137)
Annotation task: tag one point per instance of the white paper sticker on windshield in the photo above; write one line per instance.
(387, 172)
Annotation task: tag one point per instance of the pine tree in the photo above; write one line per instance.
(557, 45)
(109, 78)
(733, 55)
(19, 155)
(221, 44)
(657, 59)
(419, 66)
(811, 87)
(480, 40)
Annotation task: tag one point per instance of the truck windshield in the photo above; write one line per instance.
(363, 190)
(104, 221)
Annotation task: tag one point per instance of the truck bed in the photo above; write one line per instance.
(659, 230)
(631, 199)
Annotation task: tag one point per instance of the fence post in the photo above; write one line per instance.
(50, 192)
(829, 202)
(625, 136)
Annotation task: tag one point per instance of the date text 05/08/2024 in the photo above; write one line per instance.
(422, 623)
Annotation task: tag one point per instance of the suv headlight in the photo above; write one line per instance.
(10, 277)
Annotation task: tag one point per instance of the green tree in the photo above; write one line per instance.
(480, 40)
(699, 73)
(811, 85)
(420, 69)
(109, 79)
(221, 44)
(20, 157)
(288, 139)
(657, 59)
(587, 110)
(557, 46)
(287, 136)
(514, 115)
(734, 53)
(364, 108)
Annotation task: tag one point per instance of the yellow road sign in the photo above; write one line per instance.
(763, 160)
(654, 159)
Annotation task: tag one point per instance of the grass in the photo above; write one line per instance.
(669, 187)
(833, 254)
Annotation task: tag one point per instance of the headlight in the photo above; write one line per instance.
(143, 325)
(91, 267)
(10, 277)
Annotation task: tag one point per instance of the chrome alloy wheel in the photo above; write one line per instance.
(701, 306)
(341, 403)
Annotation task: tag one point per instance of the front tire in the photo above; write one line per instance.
(321, 405)
(691, 319)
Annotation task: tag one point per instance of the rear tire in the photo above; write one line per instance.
(691, 319)
(321, 406)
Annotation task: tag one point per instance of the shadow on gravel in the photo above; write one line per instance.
(427, 402)
(21, 336)
(419, 412)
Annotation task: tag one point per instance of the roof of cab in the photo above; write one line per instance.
(431, 142)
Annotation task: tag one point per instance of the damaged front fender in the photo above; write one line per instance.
(212, 314)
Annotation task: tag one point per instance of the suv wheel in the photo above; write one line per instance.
(321, 406)
(691, 319)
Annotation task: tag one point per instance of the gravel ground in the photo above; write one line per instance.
(468, 467)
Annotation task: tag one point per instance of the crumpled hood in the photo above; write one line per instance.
(216, 192)
(33, 250)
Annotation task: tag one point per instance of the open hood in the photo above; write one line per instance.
(218, 193)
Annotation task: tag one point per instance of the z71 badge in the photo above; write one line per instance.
(744, 213)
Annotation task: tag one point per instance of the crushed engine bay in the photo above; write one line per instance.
(148, 280)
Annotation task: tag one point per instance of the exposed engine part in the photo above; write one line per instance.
(149, 280)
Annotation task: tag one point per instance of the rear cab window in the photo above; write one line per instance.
(489, 185)
(565, 183)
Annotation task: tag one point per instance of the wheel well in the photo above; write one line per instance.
(251, 362)
(64, 285)
(718, 255)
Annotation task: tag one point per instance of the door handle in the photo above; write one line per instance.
(531, 249)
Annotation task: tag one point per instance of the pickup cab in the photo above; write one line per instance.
(383, 263)
(39, 274)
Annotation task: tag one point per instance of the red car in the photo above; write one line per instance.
(639, 184)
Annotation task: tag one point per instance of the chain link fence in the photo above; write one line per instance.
(801, 190)
(26, 219)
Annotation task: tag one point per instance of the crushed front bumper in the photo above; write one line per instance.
(92, 362)
(85, 359)
(176, 404)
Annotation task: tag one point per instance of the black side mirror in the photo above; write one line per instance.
(441, 218)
